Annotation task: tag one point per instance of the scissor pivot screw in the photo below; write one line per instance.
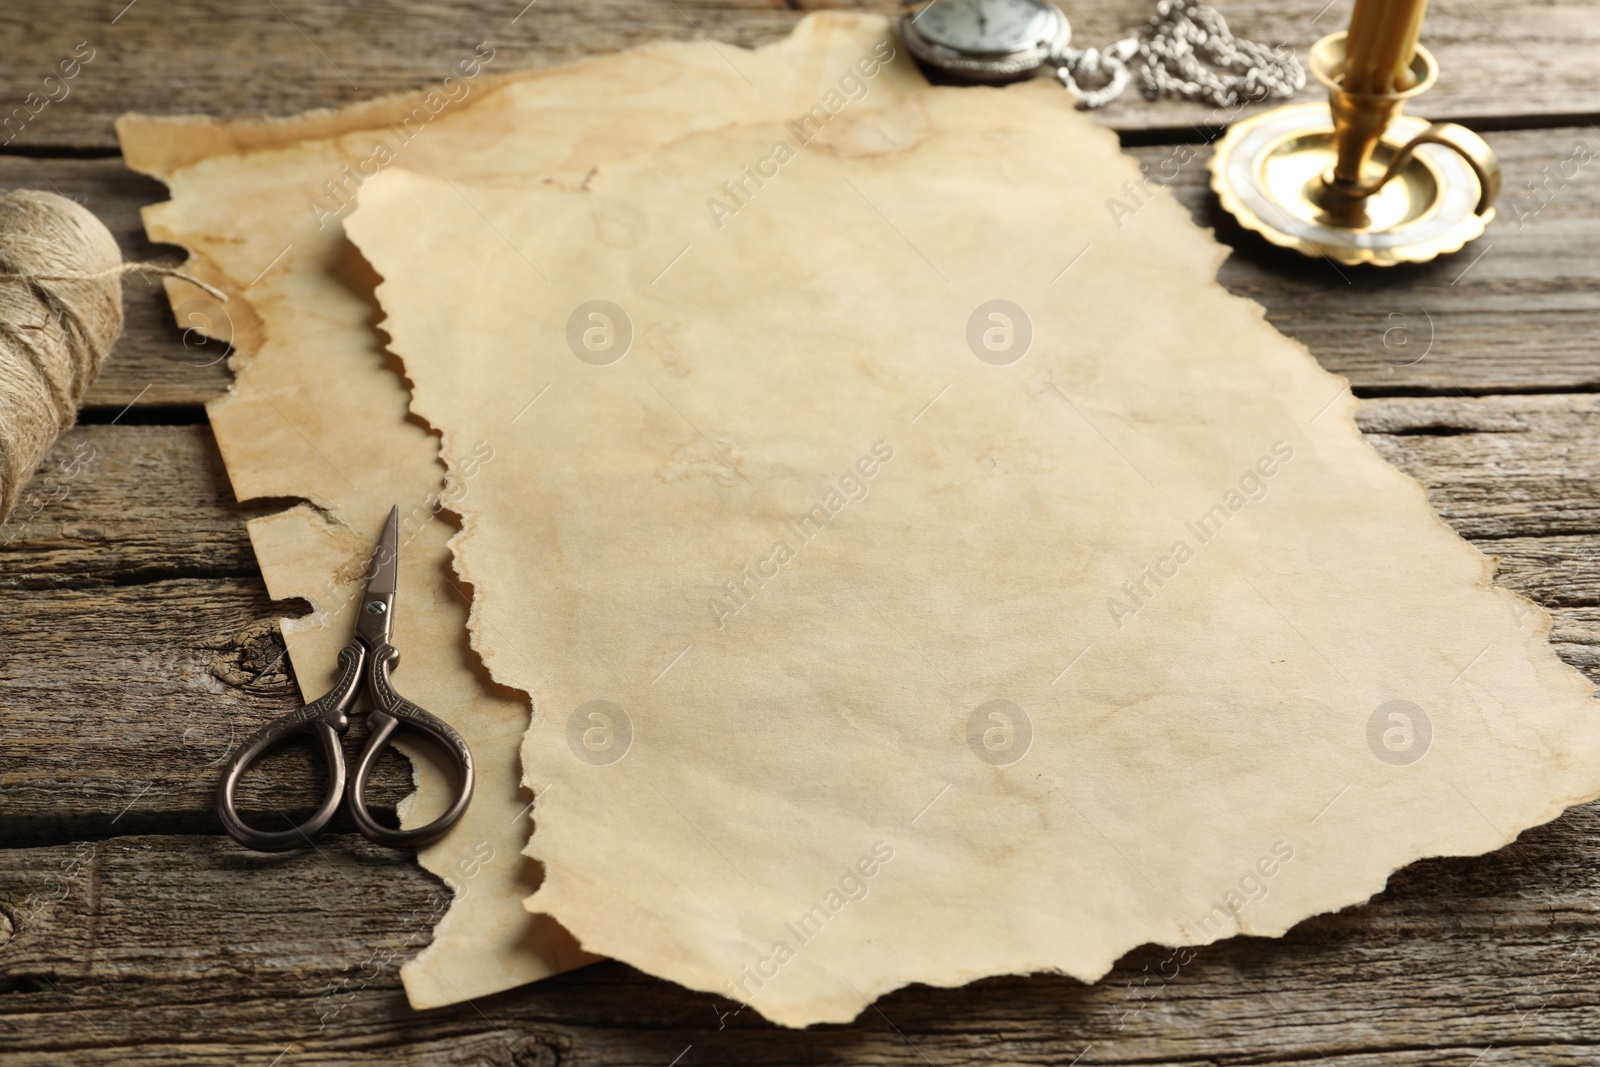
(376, 607)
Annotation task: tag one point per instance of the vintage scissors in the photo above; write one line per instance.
(369, 658)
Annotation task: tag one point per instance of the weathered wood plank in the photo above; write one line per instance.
(1517, 310)
(1525, 316)
(133, 617)
(1499, 466)
(132, 592)
(1559, 571)
(1499, 57)
(117, 504)
(120, 704)
(149, 501)
(156, 950)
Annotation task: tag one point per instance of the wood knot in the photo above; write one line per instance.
(254, 659)
(541, 1050)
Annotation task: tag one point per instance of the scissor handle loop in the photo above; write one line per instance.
(392, 712)
(329, 717)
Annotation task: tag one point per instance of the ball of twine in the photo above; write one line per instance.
(60, 312)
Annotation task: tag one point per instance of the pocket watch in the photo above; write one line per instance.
(986, 40)
(1185, 50)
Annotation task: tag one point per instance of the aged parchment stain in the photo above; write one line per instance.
(319, 413)
(1128, 636)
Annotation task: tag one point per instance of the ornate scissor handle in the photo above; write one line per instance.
(329, 717)
(391, 712)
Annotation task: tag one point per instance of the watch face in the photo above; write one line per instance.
(984, 25)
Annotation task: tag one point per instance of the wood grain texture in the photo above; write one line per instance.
(147, 648)
(144, 599)
(119, 504)
(136, 638)
(1498, 466)
(1499, 57)
(172, 949)
(121, 704)
(1518, 311)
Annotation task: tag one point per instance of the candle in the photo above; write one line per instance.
(1404, 77)
(1381, 44)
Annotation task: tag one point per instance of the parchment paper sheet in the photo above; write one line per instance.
(319, 413)
(879, 633)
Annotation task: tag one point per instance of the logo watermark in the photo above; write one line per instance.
(599, 332)
(852, 885)
(1399, 733)
(999, 332)
(852, 485)
(1251, 488)
(339, 192)
(999, 733)
(53, 89)
(1252, 887)
(599, 732)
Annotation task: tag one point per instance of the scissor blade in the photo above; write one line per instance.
(377, 609)
(385, 577)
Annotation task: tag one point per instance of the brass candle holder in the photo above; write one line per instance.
(1354, 179)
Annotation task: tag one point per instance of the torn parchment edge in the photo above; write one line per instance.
(1343, 406)
(203, 138)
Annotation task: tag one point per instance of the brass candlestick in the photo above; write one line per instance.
(1354, 179)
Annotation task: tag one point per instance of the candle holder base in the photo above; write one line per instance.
(1270, 172)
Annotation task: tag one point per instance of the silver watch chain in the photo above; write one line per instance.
(1186, 51)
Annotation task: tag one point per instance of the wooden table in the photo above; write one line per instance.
(131, 931)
